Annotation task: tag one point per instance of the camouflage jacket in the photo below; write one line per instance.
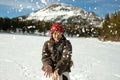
(57, 55)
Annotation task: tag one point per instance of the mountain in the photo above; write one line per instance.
(60, 12)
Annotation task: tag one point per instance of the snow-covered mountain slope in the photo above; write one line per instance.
(64, 13)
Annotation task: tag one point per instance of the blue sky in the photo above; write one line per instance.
(14, 8)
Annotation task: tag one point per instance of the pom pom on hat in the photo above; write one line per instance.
(56, 27)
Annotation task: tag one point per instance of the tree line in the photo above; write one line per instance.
(110, 30)
(111, 27)
(31, 26)
(17, 25)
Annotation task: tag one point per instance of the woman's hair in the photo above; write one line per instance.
(52, 40)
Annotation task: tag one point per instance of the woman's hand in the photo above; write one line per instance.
(48, 71)
(55, 75)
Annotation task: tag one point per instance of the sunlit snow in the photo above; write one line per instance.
(20, 58)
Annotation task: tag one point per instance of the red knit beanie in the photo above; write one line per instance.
(56, 27)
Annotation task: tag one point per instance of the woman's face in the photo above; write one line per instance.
(57, 36)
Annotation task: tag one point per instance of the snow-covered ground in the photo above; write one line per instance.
(20, 58)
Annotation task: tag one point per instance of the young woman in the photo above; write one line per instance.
(56, 55)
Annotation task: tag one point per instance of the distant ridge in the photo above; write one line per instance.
(64, 13)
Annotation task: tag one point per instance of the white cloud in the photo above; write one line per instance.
(20, 5)
(73, 0)
(6, 3)
(44, 2)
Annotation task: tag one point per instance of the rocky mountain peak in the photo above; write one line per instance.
(60, 12)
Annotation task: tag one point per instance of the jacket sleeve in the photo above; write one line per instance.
(64, 63)
(46, 59)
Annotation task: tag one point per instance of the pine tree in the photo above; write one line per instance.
(118, 24)
(106, 24)
(113, 28)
